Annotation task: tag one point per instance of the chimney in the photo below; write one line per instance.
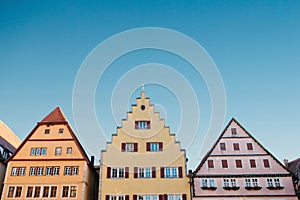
(92, 160)
(286, 162)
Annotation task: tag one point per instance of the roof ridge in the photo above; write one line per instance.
(55, 116)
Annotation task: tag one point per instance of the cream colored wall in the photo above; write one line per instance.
(170, 156)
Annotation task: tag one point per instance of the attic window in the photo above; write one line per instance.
(233, 131)
(143, 107)
(142, 125)
(47, 131)
(61, 130)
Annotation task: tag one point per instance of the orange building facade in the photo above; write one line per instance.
(50, 164)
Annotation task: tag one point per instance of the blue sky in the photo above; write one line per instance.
(255, 45)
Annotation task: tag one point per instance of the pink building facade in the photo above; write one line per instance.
(239, 167)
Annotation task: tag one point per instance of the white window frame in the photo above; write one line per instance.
(142, 125)
(226, 182)
(32, 171)
(117, 197)
(40, 171)
(147, 197)
(69, 191)
(117, 172)
(58, 151)
(144, 172)
(129, 147)
(171, 172)
(174, 197)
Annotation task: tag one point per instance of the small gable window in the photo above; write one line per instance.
(210, 163)
(266, 163)
(234, 131)
(58, 151)
(61, 131)
(252, 163)
(142, 125)
(249, 146)
(47, 131)
(224, 164)
(222, 146)
(69, 150)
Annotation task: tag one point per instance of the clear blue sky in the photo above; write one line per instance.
(255, 45)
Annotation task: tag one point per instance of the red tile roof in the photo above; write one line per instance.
(55, 116)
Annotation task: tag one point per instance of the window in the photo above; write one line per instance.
(15, 171)
(40, 171)
(117, 172)
(61, 130)
(174, 197)
(233, 131)
(224, 164)
(144, 172)
(37, 191)
(252, 163)
(11, 191)
(58, 151)
(210, 163)
(18, 191)
(233, 182)
(69, 150)
(225, 182)
(266, 163)
(53, 191)
(65, 192)
(74, 171)
(115, 197)
(32, 171)
(47, 131)
(236, 146)
(67, 171)
(142, 125)
(204, 183)
(73, 191)
(29, 191)
(212, 183)
(270, 182)
(38, 151)
(171, 172)
(69, 191)
(44, 151)
(249, 146)
(247, 182)
(154, 146)
(208, 184)
(129, 147)
(238, 163)
(277, 182)
(46, 191)
(56, 171)
(49, 171)
(147, 197)
(222, 146)
(254, 182)
(32, 152)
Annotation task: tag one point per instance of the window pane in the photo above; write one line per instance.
(18, 192)
(65, 191)
(249, 146)
(29, 191)
(44, 151)
(46, 191)
(266, 163)
(222, 146)
(210, 164)
(58, 151)
(53, 191)
(224, 164)
(11, 191)
(37, 191)
(73, 191)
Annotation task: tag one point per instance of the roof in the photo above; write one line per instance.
(294, 167)
(6, 145)
(7, 134)
(55, 116)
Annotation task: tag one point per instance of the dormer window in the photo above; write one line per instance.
(142, 125)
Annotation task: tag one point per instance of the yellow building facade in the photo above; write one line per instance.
(143, 161)
(50, 164)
